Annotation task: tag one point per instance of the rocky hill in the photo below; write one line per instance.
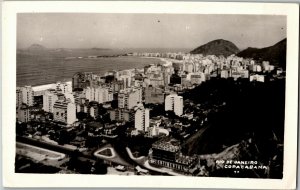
(217, 47)
(276, 54)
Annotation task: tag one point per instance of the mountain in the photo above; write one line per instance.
(61, 50)
(100, 49)
(217, 47)
(36, 47)
(276, 54)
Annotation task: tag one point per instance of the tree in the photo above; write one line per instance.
(64, 137)
(100, 167)
(171, 115)
(21, 128)
(81, 116)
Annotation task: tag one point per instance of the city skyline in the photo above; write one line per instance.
(64, 30)
(152, 120)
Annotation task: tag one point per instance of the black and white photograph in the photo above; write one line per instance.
(151, 94)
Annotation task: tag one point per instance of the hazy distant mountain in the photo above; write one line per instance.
(36, 47)
(61, 50)
(276, 54)
(217, 47)
(101, 49)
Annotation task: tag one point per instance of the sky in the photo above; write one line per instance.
(89, 30)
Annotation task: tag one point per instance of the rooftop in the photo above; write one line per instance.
(183, 159)
(167, 144)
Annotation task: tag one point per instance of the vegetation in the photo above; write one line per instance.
(276, 54)
(251, 110)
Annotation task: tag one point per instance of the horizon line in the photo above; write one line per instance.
(120, 48)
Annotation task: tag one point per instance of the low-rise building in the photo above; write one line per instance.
(259, 78)
(196, 78)
(167, 153)
(224, 74)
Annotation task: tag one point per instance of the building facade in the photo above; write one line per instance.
(24, 113)
(120, 114)
(167, 153)
(129, 98)
(64, 111)
(27, 95)
(174, 103)
(19, 98)
(154, 95)
(64, 87)
(141, 118)
(98, 94)
(49, 98)
(80, 81)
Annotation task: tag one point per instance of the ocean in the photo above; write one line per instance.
(41, 67)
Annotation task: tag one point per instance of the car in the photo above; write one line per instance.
(121, 168)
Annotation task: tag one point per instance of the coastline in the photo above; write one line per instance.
(59, 71)
(167, 61)
(47, 86)
(41, 87)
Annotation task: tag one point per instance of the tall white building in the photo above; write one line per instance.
(129, 98)
(98, 94)
(27, 95)
(49, 98)
(19, 98)
(141, 118)
(174, 103)
(105, 95)
(126, 79)
(64, 111)
(90, 93)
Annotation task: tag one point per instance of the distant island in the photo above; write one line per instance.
(39, 47)
(102, 49)
(36, 47)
